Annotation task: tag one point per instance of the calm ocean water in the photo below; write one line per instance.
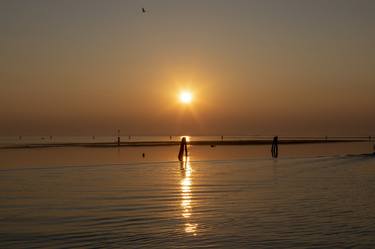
(315, 196)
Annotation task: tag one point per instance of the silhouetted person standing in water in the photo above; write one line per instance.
(275, 147)
(118, 138)
(183, 148)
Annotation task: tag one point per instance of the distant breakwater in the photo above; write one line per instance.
(176, 143)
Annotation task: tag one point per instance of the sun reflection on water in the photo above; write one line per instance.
(186, 196)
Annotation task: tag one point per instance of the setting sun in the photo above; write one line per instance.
(186, 97)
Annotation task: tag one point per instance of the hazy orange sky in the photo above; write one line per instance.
(255, 67)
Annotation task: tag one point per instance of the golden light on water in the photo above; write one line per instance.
(186, 197)
(186, 97)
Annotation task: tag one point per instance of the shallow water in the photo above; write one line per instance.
(229, 197)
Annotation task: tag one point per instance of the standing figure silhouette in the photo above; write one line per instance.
(275, 147)
(183, 148)
(118, 138)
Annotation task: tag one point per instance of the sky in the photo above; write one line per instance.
(300, 67)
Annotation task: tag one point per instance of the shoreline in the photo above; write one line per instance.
(176, 143)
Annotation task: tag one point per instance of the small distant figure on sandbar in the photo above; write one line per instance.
(118, 138)
(143, 10)
(275, 147)
(222, 138)
(183, 149)
(143, 155)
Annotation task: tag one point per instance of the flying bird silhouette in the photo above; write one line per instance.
(143, 10)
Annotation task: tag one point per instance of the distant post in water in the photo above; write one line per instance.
(118, 138)
(275, 147)
(183, 149)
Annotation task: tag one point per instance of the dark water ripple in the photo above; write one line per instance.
(323, 202)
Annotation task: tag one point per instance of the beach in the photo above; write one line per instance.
(313, 195)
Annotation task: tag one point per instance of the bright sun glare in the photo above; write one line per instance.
(186, 97)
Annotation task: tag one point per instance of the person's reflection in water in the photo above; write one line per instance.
(186, 196)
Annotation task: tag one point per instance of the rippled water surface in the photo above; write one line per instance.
(231, 202)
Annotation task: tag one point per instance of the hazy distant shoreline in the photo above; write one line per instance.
(175, 143)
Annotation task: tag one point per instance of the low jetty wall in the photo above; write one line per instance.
(175, 143)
